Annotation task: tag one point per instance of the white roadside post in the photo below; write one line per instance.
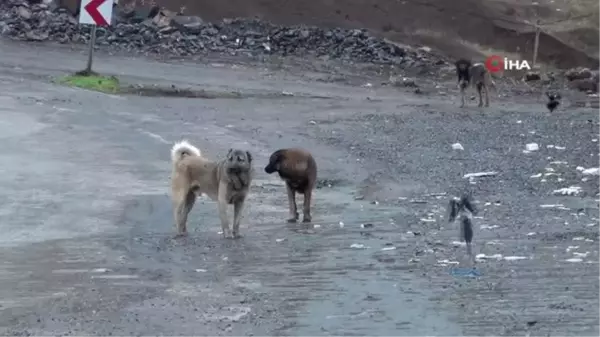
(95, 13)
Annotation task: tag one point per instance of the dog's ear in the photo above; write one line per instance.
(249, 155)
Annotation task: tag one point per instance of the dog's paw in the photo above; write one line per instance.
(180, 235)
(307, 219)
(292, 220)
(237, 235)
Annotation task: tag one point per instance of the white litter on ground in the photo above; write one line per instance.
(494, 243)
(594, 171)
(515, 258)
(446, 262)
(591, 225)
(458, 244)
(531, 233)
(358, 246)
(100, 270)
(488, 257)
(488, 226)
(581, 254)
(427, 220)
(575, 259)
(201, 270)
(457, 146)
(552, 206)
(560, 147)
(578, 238)
(571, 190)
(532, 147)
(558, 163)
(480, 174)
(388, 248)
(280, 240)
(570, 248)
(536, 175)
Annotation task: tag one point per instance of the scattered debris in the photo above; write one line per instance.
(201, 270)
(515, 258)
(457, 146)
(480, 174)
(366, 225)
(488, 227)
(446, 262)
(571, 190)
(358, 246)
(574, 259)
(388, 248)
(280, 240)
(591, 171)
(532, 147)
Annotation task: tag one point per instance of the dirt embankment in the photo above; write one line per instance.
(458, 28)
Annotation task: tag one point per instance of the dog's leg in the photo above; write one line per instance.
(222, 204)
(292, 203)
(306, 217)
(462, 95)
(487, 98)
(479, 89)
(182, 205)
(238, 207)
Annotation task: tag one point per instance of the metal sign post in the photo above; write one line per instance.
(88, 68)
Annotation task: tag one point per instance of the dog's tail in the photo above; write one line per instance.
(182, 149)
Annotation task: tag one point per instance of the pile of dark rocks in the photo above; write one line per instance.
(163, 32)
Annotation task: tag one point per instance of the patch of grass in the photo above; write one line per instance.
(106, 84)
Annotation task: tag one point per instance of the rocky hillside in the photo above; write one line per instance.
(166, 33)
(457, 28)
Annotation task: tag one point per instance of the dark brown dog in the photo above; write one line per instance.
(298, 169)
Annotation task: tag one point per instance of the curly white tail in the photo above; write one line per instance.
(183, 148)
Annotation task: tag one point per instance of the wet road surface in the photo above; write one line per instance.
(87, 245)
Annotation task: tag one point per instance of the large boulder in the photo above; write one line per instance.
(188, 24)
(588, 85)
(163, 18)
(578, 74)
(532, 76)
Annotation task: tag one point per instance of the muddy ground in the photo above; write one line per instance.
(87, 242)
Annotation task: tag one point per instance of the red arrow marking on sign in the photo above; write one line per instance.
(92, 9)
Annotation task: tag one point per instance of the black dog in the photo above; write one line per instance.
(553, 101)
(458, 209)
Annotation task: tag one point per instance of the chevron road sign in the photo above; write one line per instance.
(96, 12)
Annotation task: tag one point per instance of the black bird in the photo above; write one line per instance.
(460, 208)
(553, 101)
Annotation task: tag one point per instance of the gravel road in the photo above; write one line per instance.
(87, 245)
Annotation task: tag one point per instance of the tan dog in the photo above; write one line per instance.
(476, 75)
(298, 169)
(227, 182)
